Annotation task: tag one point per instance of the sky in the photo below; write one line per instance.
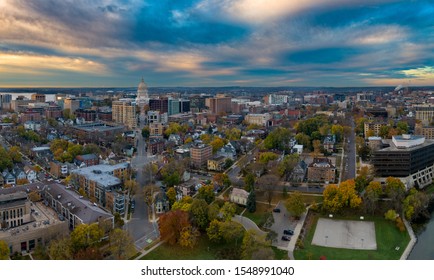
(114, 43)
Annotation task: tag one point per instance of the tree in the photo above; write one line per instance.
(5, 161)
(119, 222)
(149, 193)
(149, 171)
(251, 202)
(84, 236)
(228, 211)
(395, 190)
(213, 211)
(217, 143)
(414, 204)
(402, 127)
(304, 140)
(15, 155)
(295, 205)
(171, 225)
(222, 180)
(231, 231)
(199, 213)
(131, 186)
(249, 181)
(213, 231)
(252, 242)
(121, 244)
(172, 173)
(391, 215)
(278, 139)
(267, 156)
(338, 130)
(4, 250)
(372, 195)
(316, 148)
(184, 204)
(287, 165)
(171, 195)
(189, 236)
(267, 184)
(338, 198)
(207, 193)
(145, 132)
(60, 249)
(91, 149)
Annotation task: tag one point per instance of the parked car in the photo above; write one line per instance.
(286, 238)
(276, 210)
(288, 232)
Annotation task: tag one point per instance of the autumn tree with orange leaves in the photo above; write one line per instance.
(172, 224)
(344, 196)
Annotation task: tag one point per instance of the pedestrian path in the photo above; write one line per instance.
(248, 224)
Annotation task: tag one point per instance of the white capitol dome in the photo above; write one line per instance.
(142, 86)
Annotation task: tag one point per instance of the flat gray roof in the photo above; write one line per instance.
(393, 148)
(102, 173)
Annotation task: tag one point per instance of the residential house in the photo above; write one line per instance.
(19, 174)
(31, 174)
(58, 169)
(9, 178)
(321, 170)
(2, 181)
(299, 172)
(329, 143)
(86, 160)
(297, 149)
(161, 203)
(175, 139)
(239, 196)
(217, 163)
(228, 151)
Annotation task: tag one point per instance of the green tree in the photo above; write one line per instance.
(84, 236)
(287, 165)
(402, 127)
(5, 160)
(199, 213)
(15, 155)
(146, 132)
(249, 181)
(60, 249)
(395, 190)
(4, 250)
(372, 196)
(391, 215)
(338, 130)
(267, 184)
(207, 193)
(184, 204)
(252, 243)
(414, 204)
(295, 205)
(91, 149)
(278, 139)
(119, 222)
(251, 202)
(231, 231)
(121, 244)
(213, 211)
(171, 195)
(217, 143)
(228, 211)
(267, 156)
(213, 231)
(304, 140)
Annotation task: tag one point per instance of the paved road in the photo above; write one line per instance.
(248, 224)
(281, 223)
(140, 228)
(350, 155)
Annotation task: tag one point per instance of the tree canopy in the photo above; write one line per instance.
(344, 196)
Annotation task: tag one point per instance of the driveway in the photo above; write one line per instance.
(282, 221)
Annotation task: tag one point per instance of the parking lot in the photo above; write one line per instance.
(282, 221)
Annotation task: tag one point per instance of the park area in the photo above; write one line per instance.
(390, 242)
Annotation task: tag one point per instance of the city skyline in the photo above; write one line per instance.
(106, 43)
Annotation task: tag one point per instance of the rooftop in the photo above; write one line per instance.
(102, 173)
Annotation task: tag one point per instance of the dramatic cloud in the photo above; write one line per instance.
(216, 42)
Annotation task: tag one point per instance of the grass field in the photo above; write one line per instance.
(387, 235)
(204, 250)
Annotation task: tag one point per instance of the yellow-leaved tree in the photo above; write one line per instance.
(344, 196)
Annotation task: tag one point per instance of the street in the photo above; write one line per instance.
(141, 229)
(349, 164)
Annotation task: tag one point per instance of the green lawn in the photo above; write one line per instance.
(259, 216)
(204, 250)
(388, 238)
(280, 254)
